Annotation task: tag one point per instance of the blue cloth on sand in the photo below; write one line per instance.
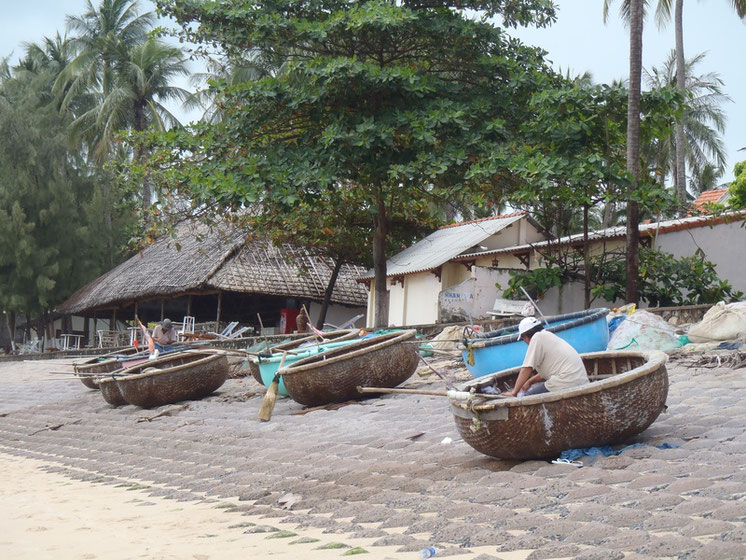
(605, 450)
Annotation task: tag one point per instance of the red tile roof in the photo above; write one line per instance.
(708, 197)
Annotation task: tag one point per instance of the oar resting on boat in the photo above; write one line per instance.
(451, 394)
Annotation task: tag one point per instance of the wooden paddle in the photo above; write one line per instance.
(270, 397)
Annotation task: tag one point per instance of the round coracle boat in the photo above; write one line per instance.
(173, 378)
(110, 390)
(334, 376)
(105, 363)
(493, 351)
(626, 394)
(264, 366)
(89, 371)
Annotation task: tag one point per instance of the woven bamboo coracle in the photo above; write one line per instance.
(331, 336)
(110, 390)
(89, 371)
(173, 378)
(627, 392)
(105, 363)
(255, 373)
(333, 376)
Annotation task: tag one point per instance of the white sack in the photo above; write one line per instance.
(721, 322)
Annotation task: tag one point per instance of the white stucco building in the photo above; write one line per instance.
(454, 273)
(427, 281)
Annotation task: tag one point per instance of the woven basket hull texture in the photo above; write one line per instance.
(89, 369)
(88, 382)
(254, 370)
(177, 378)
(585, 419)
(111, 393)
(335, 336)
(334, 376)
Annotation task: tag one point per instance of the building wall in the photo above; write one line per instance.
(474, 297)
(397, 301)
(421, 300)
(453, 273)
(723, 244)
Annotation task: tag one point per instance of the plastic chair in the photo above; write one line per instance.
(187, 327)
(226, 332)
(347, 324)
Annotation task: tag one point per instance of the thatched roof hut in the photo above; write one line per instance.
(194, 263)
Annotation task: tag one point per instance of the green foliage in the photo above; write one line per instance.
(737, 188)
(399, 103)
(572, 152)
(50, 221)
(536, 282)
(665, 280)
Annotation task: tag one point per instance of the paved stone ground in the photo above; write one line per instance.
(364, 470)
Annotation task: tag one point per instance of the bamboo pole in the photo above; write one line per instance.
(402, 391)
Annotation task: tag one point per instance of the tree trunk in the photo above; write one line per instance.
(633, 147)
(106, 192)
(328, 294)
(381, 318)
(10, 322)
(140, 154)
(680, 179)
(586, 265)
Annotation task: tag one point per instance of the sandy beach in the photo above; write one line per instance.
(48, 516)
(384, 477)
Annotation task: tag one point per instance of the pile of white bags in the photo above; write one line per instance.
(722, 322)
(643, 330)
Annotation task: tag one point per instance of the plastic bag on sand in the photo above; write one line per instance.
(643, 330)
(721, 322)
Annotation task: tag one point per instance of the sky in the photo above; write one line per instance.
(579, 42)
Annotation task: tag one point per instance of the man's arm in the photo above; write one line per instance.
(535, 379)
(523, 377)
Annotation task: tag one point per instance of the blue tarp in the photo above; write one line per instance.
(605, 450)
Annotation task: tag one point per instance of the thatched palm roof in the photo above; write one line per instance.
(216, 262)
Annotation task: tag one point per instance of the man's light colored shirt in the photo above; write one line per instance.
(556, 361)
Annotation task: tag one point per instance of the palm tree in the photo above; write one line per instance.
(254, 66)
(663, 15)
(703, 123)
(633, 12)
(105, 36)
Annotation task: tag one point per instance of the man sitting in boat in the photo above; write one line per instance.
(557, 364)
(164, 335)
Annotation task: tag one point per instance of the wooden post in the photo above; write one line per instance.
(86, 329)
(163, 309)
(189, 305)
(220, 303)
(113, 325)
(135, 313)
(95, 330)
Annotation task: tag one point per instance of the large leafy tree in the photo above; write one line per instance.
(400, 101)
(48, 229)
(573, 160)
